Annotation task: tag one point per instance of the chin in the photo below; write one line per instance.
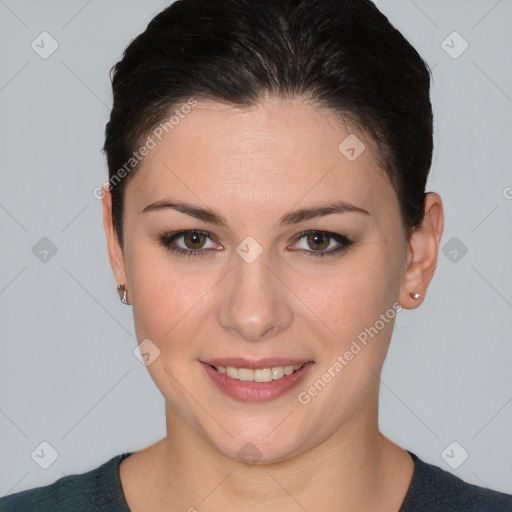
(256, 443)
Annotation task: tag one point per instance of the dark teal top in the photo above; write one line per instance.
(431, 490)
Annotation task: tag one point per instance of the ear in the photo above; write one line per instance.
(422, 253)
(115, 252)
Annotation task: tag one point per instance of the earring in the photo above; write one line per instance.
(415, 296)
(122, 288)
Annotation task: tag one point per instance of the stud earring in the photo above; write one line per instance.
(415, 296)
(122, 288)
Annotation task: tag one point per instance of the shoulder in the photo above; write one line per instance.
(433, 488)
(98, 489)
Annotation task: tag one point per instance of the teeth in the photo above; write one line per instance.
(258, 375)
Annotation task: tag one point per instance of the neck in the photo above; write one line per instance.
(350, 470)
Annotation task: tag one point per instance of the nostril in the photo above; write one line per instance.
(268, 331)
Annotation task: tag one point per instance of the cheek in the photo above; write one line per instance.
(353, 305)
(165, 300)
(355, 302)
(353, 295)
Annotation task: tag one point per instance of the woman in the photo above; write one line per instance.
(266, 218)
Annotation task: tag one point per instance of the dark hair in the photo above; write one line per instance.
(342, 55)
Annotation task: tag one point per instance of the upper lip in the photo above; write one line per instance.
(240, 362)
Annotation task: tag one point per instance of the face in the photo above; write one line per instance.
(262, 286)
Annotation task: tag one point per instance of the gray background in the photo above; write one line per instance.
(68, 375)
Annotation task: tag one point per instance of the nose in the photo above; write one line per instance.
(255, 302)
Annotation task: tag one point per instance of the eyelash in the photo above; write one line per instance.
(345, 242)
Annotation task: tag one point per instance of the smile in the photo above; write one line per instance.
(266, 379)
(258, 374)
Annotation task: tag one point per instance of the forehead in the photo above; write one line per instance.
(277, 150)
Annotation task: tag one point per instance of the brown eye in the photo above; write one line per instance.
(188, 243)
(194, 240)
(322, 243)
(318, 241)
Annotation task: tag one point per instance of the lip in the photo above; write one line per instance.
(255, 391)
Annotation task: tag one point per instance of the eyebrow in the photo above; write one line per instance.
(294, 217)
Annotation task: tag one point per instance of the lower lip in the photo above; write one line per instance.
(256, 391)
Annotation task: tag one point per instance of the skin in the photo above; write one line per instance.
(254, 165)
